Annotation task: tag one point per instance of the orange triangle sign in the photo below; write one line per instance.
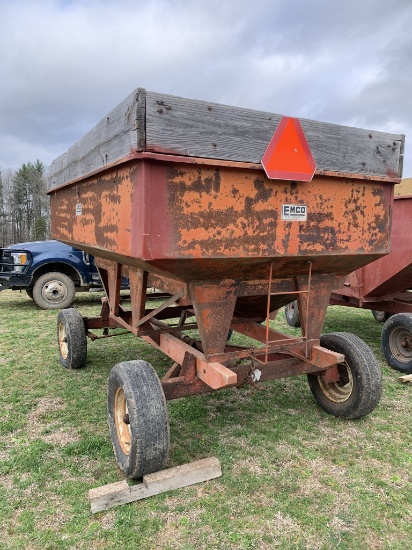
(288, 156)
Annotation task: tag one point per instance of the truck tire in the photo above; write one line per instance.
(71, 338)
(292, 314)
(359, 388)
(54, 290)
(138, 419)
(380, 316)
(396, 340)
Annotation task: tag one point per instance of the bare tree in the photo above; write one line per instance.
(29, 203)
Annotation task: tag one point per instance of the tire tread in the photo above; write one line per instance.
(366, 373)
(149, 419)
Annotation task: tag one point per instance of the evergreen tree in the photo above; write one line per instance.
(30, 205)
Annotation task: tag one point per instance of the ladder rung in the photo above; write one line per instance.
(292, 292)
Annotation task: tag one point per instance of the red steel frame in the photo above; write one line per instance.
(278, 356)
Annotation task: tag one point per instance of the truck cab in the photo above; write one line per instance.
(49, 271)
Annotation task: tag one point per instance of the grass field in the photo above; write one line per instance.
(293, 476)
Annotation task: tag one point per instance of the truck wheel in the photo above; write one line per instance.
(54, 290)
(359, 388)
(396, 340)
(138, 419)
(292, 314)
(71, 337)
(380, 316)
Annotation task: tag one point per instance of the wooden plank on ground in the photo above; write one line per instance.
(407, 378)
(115, 494)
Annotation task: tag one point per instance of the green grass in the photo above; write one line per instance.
(293, 476)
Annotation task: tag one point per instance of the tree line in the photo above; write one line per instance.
(24, 204)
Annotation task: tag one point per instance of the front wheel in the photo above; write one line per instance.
(396, 340)
(359, 388)
(71, 338)
(292, 314)
(138, 419)
(54, 290)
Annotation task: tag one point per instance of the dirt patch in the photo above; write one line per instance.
(52, 521)
(41, 425)
(250, 464)
(108, 519)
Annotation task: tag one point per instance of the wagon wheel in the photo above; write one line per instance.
(358, 390)
(292, 314)
(138, 419)
(396, 342)
(380, 316)
(71, 337)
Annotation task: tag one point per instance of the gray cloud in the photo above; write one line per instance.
(65, 64)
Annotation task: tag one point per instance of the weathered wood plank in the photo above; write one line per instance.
(114, 137)
(182, 476)
(201, 129)
(115, 494)
(150, 121)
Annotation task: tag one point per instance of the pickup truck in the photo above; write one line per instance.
(49, 271)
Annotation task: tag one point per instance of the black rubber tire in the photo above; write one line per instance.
(380, 316)
(398, 330)
(359, 389)
(54, 290)
(292, 314)
(29, 292)
(71, 339)
(141, 443)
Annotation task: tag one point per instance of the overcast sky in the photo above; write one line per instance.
(65, 64)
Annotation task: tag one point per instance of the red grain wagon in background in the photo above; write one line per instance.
(171, 193)
(383, 286)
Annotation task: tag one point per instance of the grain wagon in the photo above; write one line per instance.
(171, 193)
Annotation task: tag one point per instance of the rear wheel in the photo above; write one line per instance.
(396, 340)
(71, 338)
(54, 290)
(359, 388)
(292, 314)
(138, 419)
(380, 316)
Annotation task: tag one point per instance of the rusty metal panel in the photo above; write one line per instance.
(199, 222)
